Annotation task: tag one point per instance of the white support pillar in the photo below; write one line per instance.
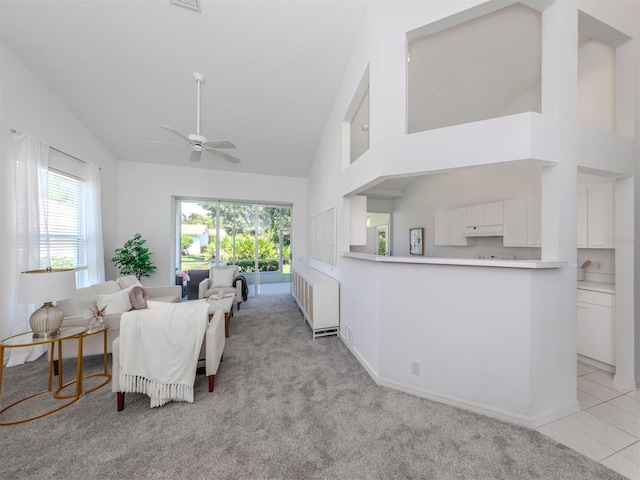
(559, 193)
(627, 323)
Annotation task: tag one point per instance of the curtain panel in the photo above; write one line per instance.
(31, 163)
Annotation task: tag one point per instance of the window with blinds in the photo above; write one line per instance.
(63, 239)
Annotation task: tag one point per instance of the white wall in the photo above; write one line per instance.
(146, 205)
(29, 107)
(383, 338)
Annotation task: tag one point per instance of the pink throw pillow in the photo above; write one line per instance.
(138, 298)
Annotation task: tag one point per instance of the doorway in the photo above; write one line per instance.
(254, 236)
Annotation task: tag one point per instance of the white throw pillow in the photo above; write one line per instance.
(221, 277)
(115, 302)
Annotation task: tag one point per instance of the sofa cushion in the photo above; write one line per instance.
(222, 276)
(106, 287)
(81, 304)
(128, 281)
(117, 302)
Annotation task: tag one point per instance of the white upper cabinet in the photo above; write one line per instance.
(522, 222)
(450, 227)
(534, 221)
(489, 214)
(515, 222)
(595, 227)
(600, 216)
(458, 226)
(582, 232)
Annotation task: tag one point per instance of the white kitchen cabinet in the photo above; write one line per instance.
(441, 228)
(488, 214)
(596, 326)
(600, 215)
(534, 221)
(318, 297)
(595, 212)
(582, 240)
(450, 227)
(515, 222)
(522, 222)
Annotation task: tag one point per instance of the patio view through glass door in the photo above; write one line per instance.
(253, 236)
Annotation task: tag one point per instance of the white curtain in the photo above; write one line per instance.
(93, 209)
(30, 161)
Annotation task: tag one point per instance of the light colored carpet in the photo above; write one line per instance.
(285, 407)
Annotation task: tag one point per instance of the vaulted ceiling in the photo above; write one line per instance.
(272, 69)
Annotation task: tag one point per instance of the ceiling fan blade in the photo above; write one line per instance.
(227, 157)
(222, 144)
(186, 139)
(195, 156)
(168, 143)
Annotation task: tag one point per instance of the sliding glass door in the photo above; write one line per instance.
(253, 236)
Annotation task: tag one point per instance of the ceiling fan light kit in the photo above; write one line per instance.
(197, 142)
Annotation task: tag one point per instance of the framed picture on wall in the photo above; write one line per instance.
(415, 241)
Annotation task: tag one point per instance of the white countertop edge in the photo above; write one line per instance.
(472, 262)
(597, 286)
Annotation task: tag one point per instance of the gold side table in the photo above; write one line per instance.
(80, 379)
(27, 340)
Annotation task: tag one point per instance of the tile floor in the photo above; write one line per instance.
(607, 428)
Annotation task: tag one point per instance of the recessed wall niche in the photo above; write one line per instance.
(356, 123)
(603, 72)
(483, 68)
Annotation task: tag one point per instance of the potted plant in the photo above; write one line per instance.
(134, 258)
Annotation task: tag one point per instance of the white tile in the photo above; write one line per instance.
(632, 452)
(635, 394)
(600, 430)
(621, 419)
(606, 379)
(576, 439)
(586, 401)
(583, 369)
(596, 390)
(623, 466)
(628, 404)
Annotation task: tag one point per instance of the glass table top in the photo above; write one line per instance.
(26, 339)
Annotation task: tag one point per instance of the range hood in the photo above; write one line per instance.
(484, 231)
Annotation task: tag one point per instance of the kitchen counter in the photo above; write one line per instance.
(473, 262)
(597, 286)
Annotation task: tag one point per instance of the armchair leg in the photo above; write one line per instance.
(120, 398)
(212, 381)
(56, 368)
(238, 305)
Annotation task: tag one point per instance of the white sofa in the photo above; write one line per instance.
(211, 353)
(77, 310)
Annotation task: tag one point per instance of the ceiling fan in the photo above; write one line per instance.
(197, 142)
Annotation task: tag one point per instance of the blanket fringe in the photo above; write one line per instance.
(159, 393)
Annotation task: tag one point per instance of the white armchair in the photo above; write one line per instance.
(210, 350)
(222, 280)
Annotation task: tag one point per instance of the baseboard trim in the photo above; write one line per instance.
(505, 415)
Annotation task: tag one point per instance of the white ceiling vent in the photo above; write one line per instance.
(192, 4)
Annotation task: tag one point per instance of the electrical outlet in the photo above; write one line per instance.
(598, 266)
(415, 368)
(349, 331)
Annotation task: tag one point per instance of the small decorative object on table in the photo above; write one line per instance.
(98, 318)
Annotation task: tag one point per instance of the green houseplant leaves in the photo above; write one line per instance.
(134, 258)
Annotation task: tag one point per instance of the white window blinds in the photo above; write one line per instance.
(63, 239)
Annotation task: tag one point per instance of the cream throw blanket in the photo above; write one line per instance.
(159, 350)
